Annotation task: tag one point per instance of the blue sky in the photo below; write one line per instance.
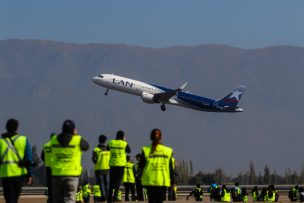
(240, 23)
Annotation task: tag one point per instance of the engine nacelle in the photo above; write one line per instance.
(147, 98)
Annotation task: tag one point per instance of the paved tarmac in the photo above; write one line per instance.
(42, 199)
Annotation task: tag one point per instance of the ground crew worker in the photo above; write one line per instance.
(271, 194)
(236, 193)
(129, 180)
(157, 169)
(293, 193)
(139, 187)
(97, 193)
(79, 197)
(214, 194)
(118, 149)
(255, 194)
(197, 192)
(101, 158)
(225, 194)
(86, 192)
(46, 157)
(301, 194)
(244, 195)
(67, 148)
(15, 161)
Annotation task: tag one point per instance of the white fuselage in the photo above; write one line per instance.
(126, 85)
(150, 93)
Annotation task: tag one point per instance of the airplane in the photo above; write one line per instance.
(151, 94)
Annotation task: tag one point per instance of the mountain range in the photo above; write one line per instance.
(42, 83)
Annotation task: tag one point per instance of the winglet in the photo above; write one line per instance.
(182, 87)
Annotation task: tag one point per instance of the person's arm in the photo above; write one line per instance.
(172, 174)
(134, 170)
(28, 156)
(42, 155)
(94, 157)
(84, 145)
(128, 149)
(141, 164)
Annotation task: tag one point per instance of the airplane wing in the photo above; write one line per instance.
(165, 96)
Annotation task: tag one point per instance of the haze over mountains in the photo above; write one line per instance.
(44, 82)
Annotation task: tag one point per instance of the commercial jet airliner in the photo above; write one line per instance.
(151, 94)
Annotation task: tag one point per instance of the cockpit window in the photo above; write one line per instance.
(100, 76)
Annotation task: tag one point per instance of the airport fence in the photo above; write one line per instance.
(182, 190)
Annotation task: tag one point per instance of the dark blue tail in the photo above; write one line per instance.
(233, 98)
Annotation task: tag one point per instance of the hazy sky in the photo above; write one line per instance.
(241, 23)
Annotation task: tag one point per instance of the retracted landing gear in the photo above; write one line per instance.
(163, 107)
(106, 93)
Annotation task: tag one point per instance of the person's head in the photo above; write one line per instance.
(198, 185)
(102, 139)
(255, 188)
(244, 191)
(297, 187)
(52, 135)
(224, 187)
(138, 157)
(12, 125)
(68, 127)
(236, 184)
(155, 137)
(120, 135)
(128, 158)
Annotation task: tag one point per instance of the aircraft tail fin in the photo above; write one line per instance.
(233, 98)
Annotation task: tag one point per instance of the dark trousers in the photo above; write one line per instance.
(116, 175)
(102, 181)
(49, 183)
(130, 187)
(12, 188)
(139, 190)
(156, 194)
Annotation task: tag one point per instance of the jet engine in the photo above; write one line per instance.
(147, 98)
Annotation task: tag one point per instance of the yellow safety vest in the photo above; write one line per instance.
(66, 161)
(103, 158)
(157, 169)
(12, 150)
(270, 199)
(226, 197)
(96, 191)
(47, 149)
(117, 152)
(79, 197)
(128, 173)
(86, 192)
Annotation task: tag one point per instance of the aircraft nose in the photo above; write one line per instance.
(95, 79)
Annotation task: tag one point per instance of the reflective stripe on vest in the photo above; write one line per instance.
(66, 161)
(96, 191)
(47, 149)
(128, 173)
(226, 197)
(157, 169)
(103, 158)
(117, 152)
(11, 152)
